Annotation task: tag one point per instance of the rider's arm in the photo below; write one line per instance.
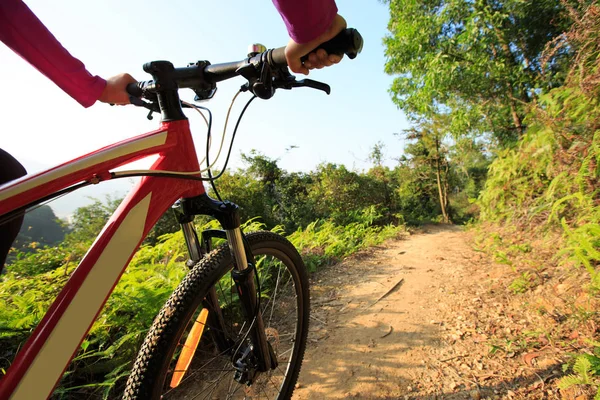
(309, 23)
(25, 34)
(307, 19)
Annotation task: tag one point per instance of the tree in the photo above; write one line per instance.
(470, 160)
(261, 167)
(381, 185)
(337, 192)
(376, 155)
(428, 150)
(480, 61)
(88, 221)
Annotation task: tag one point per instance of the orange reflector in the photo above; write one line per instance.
(189, 348)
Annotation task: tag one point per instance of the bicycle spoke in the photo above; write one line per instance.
(197, 371)
(274, 295)
(215, 384)
(269, 302)
(263, 390)
(274, 385)
(287, 351)
(236, 389)
(279, 368)
(221, 288)
(229, 390)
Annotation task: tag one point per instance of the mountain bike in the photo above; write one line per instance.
(237, 324)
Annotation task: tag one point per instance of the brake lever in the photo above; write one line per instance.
(313, 85)
(289, 82)
(136, 101)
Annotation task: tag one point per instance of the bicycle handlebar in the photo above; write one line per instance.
(349, 42)
(202, 76)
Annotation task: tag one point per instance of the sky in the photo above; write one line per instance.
(42, 126)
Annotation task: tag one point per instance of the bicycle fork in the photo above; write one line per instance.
(243, 275)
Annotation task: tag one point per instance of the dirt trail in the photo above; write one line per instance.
(418, 342)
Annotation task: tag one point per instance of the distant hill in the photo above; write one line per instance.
(42, 227)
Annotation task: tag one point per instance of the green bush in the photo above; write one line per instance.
(107, 353)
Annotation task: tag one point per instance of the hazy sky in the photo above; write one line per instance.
(42, 126)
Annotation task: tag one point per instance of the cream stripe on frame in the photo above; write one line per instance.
(105, 155)
(46, 369)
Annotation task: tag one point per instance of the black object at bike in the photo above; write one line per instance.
(348, 42)
(226, 212)
(265, 72)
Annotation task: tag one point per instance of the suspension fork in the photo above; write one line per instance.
(196, 250)
(243, 274)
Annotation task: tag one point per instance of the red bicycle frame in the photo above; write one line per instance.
(40, 364)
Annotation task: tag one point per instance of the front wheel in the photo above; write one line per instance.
(193, 351)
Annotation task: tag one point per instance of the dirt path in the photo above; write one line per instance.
(426, 339)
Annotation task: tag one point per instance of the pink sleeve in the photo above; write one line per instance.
(25, 34)
(307, 19)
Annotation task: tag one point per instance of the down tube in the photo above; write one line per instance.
(41, 363)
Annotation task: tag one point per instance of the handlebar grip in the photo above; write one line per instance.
(134, 89)
(348, 42)
(279, 56)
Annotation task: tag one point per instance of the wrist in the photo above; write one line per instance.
(336, 26)
(294, 51)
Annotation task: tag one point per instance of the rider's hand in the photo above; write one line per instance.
(115, 92)
(319, 59)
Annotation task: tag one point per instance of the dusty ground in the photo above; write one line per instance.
(445, 330)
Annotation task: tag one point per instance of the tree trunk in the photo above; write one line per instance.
(516, 118)
(438, 175)
(446, 199)
(510, 58)
(387, 199)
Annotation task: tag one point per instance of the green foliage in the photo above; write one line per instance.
(104, 359)
(586, 371)
(324, 242)
(331, 192)
(88, 221)
(558, 185)
(557, 188)
(523, 283)
(547, 184)
(166, 224)
(46, 259)
(480, 61)
(115, 337)
(429, 152)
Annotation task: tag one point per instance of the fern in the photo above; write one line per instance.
(586, 370)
